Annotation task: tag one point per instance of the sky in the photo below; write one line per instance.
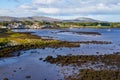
(105, 10)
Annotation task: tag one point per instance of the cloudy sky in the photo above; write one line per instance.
(105, 10)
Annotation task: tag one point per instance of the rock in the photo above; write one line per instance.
(5, 79)
(28, 77)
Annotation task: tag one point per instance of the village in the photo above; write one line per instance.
(20, 25)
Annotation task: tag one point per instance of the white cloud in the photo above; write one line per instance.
(43, 1)
(48, 10)
(69, 8)
(73, 7)
(25, 6)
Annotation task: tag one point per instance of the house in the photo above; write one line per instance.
(46, 26)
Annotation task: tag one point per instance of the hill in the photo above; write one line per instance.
(45, 19)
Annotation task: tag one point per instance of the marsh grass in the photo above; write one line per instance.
(4, 41)
(12, 42)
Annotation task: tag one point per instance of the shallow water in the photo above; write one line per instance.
(28, 64)
(107, 35)
(112, 35)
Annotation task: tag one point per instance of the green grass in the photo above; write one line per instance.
(26, 44)
(25, 41)
(17, 35)
(76, 26)
(4, 41)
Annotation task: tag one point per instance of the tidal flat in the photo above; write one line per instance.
(60, 54)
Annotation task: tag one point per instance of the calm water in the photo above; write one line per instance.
(111, 35)
(28, 64)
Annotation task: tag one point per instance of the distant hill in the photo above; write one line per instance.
(82, 19)
(34, 18)
(46, 19)
(39, 18)
(7, 18)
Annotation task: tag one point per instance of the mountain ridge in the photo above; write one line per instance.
(82, 19)
(46, 19)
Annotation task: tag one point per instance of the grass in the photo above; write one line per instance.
(4, 41)
(76, 26)
(11, 42)
(17, 35)
(14, 42)
(25, 44)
